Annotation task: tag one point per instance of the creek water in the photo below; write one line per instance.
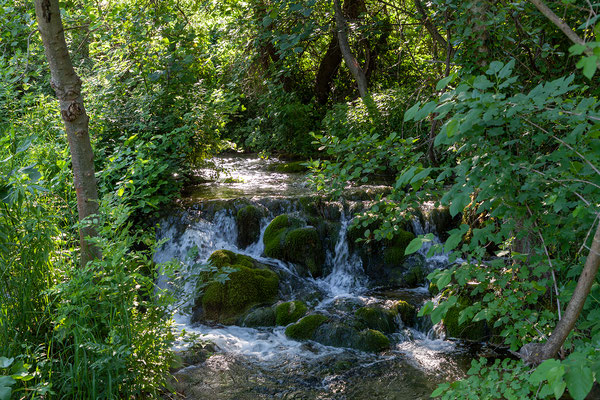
(262, 363)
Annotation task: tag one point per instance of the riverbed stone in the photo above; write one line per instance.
(306, 327)
(261, 316)
(406, 311)
(289, 312)
(373, 340)
(250, 284)
(286, 238)
(248, 225)
(377, 318)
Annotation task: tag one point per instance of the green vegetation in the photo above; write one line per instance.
(407, 312)
(246, 286)
(248, 224)
(485, 110)
(289, 312)
(306, 327)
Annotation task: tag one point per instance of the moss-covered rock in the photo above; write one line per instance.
(248, 225)
(287, 239)
(262, 316)
(289, 312)
(275, 233)
(407, 312)
(377, 318)
(476, 331)
(306, 327)
(414, 277)
(393, 254)
(442, 221)
(373, 341)
(249, 284)
(337, 334)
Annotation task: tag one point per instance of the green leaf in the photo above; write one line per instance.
(6, 362)
(452, 127)
(453, 241)
(577, 49)
(444, 278)
(426, 309)
(589, 66)
(5, 393)
(579, 381)
(444, 82)
(410, 113)
(541, 372)
(414, 245)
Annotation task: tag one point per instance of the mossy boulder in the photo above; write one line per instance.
(287, 239)
(306, 327)
(337, 334)
(248, 285)
(248, 225)
(475, 331)
(407, 312)
(262, 316)
(393, 254)
(441, 219)
(414, 277)
(289, 312)
(373, 341)
(377, 318)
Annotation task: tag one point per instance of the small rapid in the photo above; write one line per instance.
(262, 362)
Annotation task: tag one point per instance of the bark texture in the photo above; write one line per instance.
(535, 353)
(67, 86)
(351, 61)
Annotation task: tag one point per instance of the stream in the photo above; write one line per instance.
(262, 362)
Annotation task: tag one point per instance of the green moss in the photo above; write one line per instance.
(476, 331)
(248, 225)
(289, 312)
(414, 277)
(407, 312)
(433, 289)
(222, 258)
(247, 286)
(303, 246)
(377, 318)
(306, 327)
(393, 256)
(286, 239)
(373, 340)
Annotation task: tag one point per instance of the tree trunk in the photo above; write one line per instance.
(327, 70)
(535, 353)
(67, 86)
(350, 60)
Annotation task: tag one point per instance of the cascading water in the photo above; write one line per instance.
(262, 362)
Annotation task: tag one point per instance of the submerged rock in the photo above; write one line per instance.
(262, 316)
(286, 238)
(289, 312)
(250, 284)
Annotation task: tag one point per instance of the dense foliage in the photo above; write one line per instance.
(484, 107)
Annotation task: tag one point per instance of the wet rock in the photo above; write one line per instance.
(339, 334)
(406, 311)
(248, 225)
(193, 355)
(414, 277)
(373, 341)
(287, 239)
(475, 331)
(441, 219)
(249, 284)
(262, 316)
(377, 318)
(306, 327)
(289, 312)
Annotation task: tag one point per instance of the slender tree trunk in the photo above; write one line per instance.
(535, 353)
(349, 59)
(327, 70)
(67, 86)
